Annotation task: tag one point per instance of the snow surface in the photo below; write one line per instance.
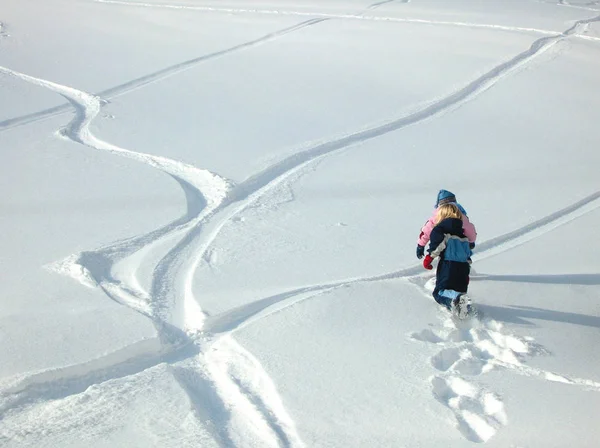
(210, 212)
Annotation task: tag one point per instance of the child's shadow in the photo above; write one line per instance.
(519, 314)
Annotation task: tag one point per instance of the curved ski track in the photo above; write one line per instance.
(159, 75)
(203, 356)
(122, 89)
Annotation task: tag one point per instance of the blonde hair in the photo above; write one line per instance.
(447, 211)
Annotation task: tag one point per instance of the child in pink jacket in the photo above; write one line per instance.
(444, 197)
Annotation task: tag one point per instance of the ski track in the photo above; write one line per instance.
(55, 384)
(204, 191)
(130, 86)
(323, 15)
(212, 190)
(204, 358)
(590, 38)
(361, 16)
(159, 75)
(378, 4)
(586, 7)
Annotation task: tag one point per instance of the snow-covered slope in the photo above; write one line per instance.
(210, 212)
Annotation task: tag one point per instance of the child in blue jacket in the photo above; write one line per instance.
(449, 243)
(444, 197)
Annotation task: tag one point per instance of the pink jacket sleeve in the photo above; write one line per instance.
(426, 231)
(425, 234)
(469, 229)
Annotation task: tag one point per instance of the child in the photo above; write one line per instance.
(449, 243)
(444, 197)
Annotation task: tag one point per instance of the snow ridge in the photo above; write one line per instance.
(590, 38)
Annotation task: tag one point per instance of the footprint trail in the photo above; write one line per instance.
(471, 349)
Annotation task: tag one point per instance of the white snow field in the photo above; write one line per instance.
(210, 209)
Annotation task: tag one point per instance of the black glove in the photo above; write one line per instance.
(472, 246)
(420, 251)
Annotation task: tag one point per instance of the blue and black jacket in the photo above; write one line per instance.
(449, 243)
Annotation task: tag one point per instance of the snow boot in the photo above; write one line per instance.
(461, 306)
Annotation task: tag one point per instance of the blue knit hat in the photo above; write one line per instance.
(445, 197)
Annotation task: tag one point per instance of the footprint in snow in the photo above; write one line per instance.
(479, 413)
(471, 349)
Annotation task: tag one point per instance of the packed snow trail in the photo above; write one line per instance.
(226, 379)
(203, 190)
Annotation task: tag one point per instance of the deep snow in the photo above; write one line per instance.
(211, 209)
